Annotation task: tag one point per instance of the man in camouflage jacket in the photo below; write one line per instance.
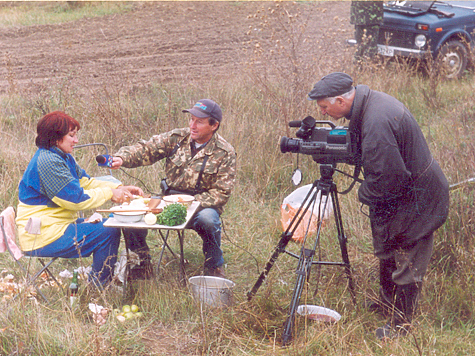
(198, 162)
(367, 16)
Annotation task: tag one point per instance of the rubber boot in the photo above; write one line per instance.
(144, 270)
(137, 242)
(407, 297)
(405, 306)
(387, 288)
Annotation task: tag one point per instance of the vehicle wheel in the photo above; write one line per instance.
(452, 60)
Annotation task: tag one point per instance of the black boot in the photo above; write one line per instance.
(387, 288)
(405, 306)
(407, 297)
(144, 270)
(137, 242)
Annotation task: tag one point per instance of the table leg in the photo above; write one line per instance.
(128, 291)
(165, 244)
(181, 237)
(127, 269)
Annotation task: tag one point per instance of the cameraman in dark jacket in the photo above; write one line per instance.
(404, 187)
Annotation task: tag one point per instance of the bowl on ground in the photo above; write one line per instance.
(212, 291)
(315, 312)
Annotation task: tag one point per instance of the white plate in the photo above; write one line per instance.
(317, 313)
(386, 51)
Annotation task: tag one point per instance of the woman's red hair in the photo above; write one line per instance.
(53, 127)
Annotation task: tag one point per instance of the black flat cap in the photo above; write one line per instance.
(331, 85)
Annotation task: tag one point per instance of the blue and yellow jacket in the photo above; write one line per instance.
(54, 189)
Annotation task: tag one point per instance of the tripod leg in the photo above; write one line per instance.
(303, 270)
(278, 250)
(285, 238)
(342, 240)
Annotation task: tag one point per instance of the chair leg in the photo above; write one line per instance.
(29, 279)
(30, 282)
(46, 269)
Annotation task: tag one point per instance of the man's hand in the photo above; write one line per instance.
(116, 162)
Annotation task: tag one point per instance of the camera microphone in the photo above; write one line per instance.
(295, 123)
(104, 160)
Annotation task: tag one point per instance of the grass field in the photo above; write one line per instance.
(257, 107)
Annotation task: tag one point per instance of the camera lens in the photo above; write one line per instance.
(289, 145)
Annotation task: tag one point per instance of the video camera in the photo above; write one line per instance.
(327, 145)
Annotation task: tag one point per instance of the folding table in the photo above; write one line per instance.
(164, 232)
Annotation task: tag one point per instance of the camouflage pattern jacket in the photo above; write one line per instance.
(182, 170)
(366, 13)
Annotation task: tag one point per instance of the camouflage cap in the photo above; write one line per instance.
(206, 108)
(331, 85)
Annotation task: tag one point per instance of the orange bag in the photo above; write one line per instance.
(309, 223)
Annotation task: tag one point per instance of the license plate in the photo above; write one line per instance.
(385, 51)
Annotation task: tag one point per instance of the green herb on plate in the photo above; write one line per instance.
(172, 215)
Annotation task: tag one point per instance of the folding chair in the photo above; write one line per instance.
(7, 243)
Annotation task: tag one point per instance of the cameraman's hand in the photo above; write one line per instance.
(116, 162)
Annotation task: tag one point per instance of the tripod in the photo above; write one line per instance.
(327, 188)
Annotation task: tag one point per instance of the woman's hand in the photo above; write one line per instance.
(132, 189)
(121, 195)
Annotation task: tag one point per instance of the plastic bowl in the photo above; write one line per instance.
(314, 312)
(184, 199)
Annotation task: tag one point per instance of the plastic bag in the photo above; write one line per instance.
(292, 203)
(120, 265)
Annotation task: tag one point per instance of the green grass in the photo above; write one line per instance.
(256, 110)
(53, 12)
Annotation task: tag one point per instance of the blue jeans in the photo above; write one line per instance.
(95, 239)
(207, 224)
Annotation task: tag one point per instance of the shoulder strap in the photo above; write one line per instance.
(175, 149)
(198, 182)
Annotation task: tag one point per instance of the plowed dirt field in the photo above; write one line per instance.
(155, 41)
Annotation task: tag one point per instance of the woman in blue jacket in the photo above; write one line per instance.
(52, 192)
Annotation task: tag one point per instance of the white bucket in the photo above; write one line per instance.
(213, 291)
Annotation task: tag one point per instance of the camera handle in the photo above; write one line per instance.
(327, 188)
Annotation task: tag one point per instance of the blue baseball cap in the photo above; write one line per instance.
(206, 108)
